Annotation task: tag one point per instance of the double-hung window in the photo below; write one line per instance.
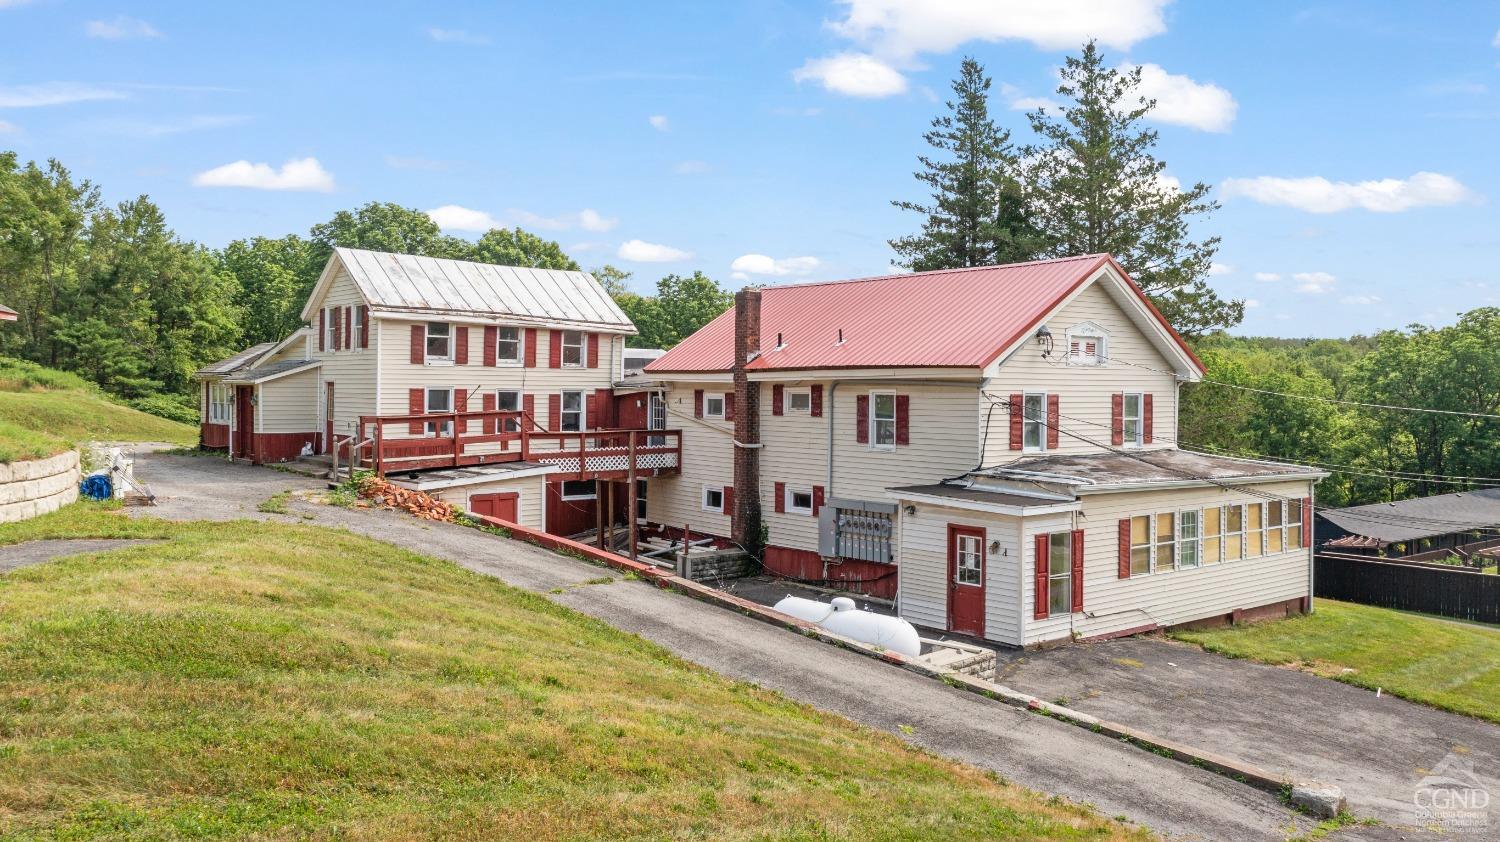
(883, 419)
(1188, 537)
(439, 342)
(508, 346)
(1034, 422)
(330, 328)
(570, 418)
(1059, 573)
(1274, 524)
(1293, 524)
(572, 347)
(1234, 532)
(439, 400)
(799, 501)
(1213, 529)
(1254, 530)
(1140, 545)
(508, 400)
(1131, 420)
(218, 403)
(799, 401)
(1165, 556)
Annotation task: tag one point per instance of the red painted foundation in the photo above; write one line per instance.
(214, 436)
(279, 447)
(866, 577)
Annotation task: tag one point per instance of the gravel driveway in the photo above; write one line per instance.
(1174, 799)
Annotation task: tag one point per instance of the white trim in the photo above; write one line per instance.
(562, 348)
(306, 332)
(870, 437)
(1042, 427)
(1165, 485)
(703, 498)
(789, 494)
(1083, 331)
(786, 397)
(436, 426)
(978, 506)
(723, 405)
(428, 358)
(422, 484)
(583, 409)
(563, 495)
(1140, 420)
(520, 360)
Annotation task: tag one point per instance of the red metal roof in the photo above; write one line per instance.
(945, 318)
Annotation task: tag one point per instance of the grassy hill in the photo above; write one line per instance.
(43, 411)
(277, 681)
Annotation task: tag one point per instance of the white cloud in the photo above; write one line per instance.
(1216, 270)
(460, 218)
(1316, 194)
(659, 122)
(1314, 282)
(641, 251)
(121, 27)
(1267, 276)
(1360, 300)
(1252, 303)
(853, 74)
(298, 174)
(1018, 101)
(53, 93)
(904, 28)
(590, 220)
(456, 36)
(8, 128)
(760, 264)
(1183, 102)
(691, 167)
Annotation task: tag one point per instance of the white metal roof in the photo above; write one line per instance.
(409, 283)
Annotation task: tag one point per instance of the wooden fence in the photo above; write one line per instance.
(1451, 592)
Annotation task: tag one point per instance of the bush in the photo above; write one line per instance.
(180, 408)
(17, 375)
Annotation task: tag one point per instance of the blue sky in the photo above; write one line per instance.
(1353, 144)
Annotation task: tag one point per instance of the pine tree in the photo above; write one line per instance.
(1095, 187)
(978, 214)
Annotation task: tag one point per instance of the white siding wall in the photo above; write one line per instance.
(351, 371)
(1113, 604)
(923, 596)
(1084, 392)
(529, 508)
(707, 459)
(398, 374)
(289, 404)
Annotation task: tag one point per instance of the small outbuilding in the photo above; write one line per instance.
(1443, 524)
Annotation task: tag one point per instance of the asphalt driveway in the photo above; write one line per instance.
(1175, 799)
(1376, 748)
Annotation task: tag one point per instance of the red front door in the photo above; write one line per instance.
(244, 422)
(503, 505)
(966, 558)
(328, 417)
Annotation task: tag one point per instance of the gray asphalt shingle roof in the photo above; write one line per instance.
(1421, 517)
(229, 365)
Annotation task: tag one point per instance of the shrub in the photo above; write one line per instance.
(180, 408)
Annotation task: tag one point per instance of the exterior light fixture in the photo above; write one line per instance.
(1044, 339)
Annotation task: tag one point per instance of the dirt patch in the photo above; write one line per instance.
(36, 552)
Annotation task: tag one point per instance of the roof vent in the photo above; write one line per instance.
(841, 337)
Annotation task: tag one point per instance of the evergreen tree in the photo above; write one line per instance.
(1096, 187)
(977, 215)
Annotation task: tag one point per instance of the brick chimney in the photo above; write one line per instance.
(745, 522)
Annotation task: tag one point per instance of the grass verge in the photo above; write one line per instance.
(282, 680)
(43, 412)
(1449, 665)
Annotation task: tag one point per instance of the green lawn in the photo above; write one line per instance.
(43, 412)
(270, 680)
(1443, 663)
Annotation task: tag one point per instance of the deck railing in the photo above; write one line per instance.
(459, 439)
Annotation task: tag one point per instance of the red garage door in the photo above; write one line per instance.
(503, 505)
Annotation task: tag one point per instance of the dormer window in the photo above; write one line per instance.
(1087, 345)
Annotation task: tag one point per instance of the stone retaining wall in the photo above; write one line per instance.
(28, 489)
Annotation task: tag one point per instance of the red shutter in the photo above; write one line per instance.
(554, 412)
(1307, 511)
(338, 332)
(729, 406)
(604, 401)
(348, 327)
(817, 400)
(1054, 417)
(418, 344)
(862, 419)
(554, 349)
(780, 498)
(322, 329)
(1124, 559)
(817, 499)
(1117, 419)
(461, 404)
(461, 351)
(591, 411)
(364, 326)
(1146, 419)
(729, 500)
(593, 341)
(1017, 428)
(697, 403)
(1039, 577)
(491, 339)
(903, 419)
(487, 403)
(531, 347)
(416, 404)
(1077, 570)
(528, 407)
(777, 395)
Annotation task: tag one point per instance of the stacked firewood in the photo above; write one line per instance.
(382, 493)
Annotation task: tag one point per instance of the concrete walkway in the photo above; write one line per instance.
(1175, 799)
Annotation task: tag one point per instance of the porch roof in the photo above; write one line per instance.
(229, 365)
(1170, 466)
(277, 369)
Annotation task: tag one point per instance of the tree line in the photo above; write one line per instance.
(111, 293)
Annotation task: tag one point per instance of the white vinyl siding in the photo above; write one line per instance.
(353, 375)
(529, 505)
(676, 500)
(290, 404)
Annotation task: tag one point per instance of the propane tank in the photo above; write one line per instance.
(841, 616)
